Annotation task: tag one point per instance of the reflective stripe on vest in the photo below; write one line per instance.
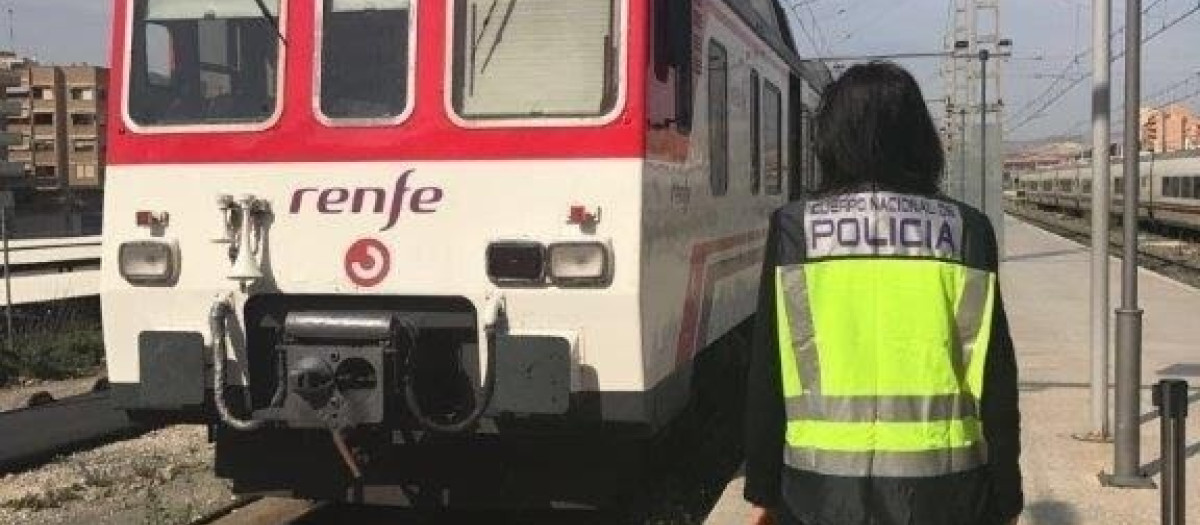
(882, 365)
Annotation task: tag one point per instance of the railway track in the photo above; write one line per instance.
(281, 511)
(31, 435)
(668, 485)
(1180, 267)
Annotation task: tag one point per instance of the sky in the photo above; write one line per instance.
(1046, 35)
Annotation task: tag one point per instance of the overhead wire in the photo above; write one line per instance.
(1078, 125)
(817, 25)
(1075, 60)
(882, 14)
(804, 28)
(1031, 116)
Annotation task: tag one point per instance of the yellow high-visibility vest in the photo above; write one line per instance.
(882, 352)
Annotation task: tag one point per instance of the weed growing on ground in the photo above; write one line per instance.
(59, 341)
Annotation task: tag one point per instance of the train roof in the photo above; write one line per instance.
(769, 20)
(1086, 163)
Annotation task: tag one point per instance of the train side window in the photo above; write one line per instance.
(1189, 188)
(1087, 186)
(1196, 187)
(718, 118)
(1170, 189)
(772, 138)
(535, 59)
(673, 53)
(794, 140)
(809, 123)
(365, 58)
(755, 132)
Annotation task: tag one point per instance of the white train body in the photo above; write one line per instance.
(579, 264)
(1169, 188)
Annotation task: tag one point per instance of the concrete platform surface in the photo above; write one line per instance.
(1045, 283)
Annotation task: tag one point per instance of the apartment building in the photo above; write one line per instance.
(1168, 129)
(62, 120)
(84, 124)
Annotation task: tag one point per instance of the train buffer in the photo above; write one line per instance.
(1045, 284)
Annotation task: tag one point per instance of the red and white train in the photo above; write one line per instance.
(386, 247)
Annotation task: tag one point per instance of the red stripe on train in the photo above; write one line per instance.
(700, 289)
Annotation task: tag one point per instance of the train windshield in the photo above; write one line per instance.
(210, 62)
(365, 46)
(532, 59)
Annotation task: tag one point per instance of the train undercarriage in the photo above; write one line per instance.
(383, 401)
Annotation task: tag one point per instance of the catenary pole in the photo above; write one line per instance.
(962, 173)
(1101, 200)
(983, 134)
(1126, 450)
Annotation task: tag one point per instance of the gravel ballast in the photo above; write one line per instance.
(164, 477)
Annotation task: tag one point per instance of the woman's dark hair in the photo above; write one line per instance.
(874, 132)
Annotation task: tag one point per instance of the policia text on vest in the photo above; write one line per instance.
(883, 383)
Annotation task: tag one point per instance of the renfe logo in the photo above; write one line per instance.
(367, 262)
(371, 200)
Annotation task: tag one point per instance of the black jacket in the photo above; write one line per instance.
(988, 495)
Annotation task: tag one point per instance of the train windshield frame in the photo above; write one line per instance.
(536, 62)
(205, 65)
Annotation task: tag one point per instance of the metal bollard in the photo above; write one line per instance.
(1171, 398)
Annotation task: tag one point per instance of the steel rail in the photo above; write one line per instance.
(31, 435)
(1177, 270)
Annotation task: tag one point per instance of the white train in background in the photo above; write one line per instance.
(1170, 188)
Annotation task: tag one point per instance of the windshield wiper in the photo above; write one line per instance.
(270, 19)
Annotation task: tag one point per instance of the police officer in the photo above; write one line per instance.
(883, 385)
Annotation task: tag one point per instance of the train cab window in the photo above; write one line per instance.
(535, 59)
(755, 132)
(214, 62)
(365, 50)
(773, 137)
(718, 118)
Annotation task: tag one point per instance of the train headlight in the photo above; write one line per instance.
(149, 263)
(516, 263)
(579, 263)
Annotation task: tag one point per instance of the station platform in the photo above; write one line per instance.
(1045, 283)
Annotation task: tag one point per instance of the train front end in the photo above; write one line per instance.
(377, 245)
